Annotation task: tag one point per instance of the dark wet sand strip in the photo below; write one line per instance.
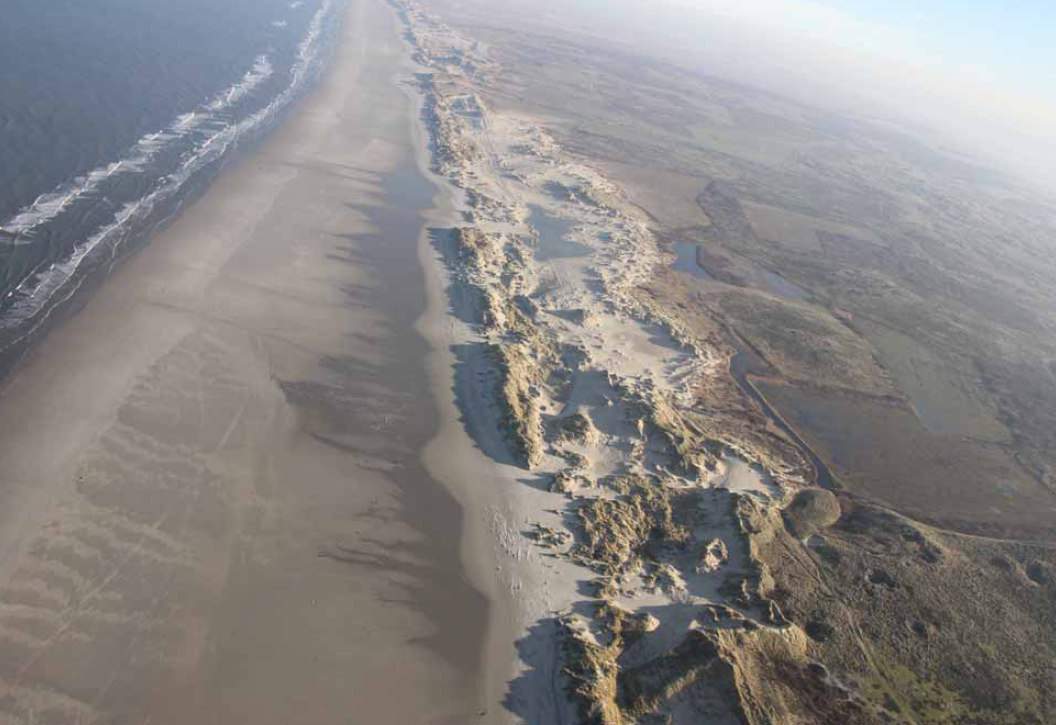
(212, 506)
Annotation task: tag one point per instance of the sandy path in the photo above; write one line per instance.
(212, 501)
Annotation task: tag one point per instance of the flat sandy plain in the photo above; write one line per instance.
(213, 505)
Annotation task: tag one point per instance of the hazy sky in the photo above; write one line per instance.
(979, 73)
(1012, 40)
(983, 71)
(1005, 41)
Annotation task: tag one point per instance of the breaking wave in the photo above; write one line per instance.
(195, 140)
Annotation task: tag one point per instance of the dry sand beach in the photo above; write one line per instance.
(213, 505)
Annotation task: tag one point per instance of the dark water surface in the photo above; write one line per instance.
(553, 236)
(778, 285)
(113, 112)
(687, 260)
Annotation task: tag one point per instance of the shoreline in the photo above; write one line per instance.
(214, 506)
(55, 289)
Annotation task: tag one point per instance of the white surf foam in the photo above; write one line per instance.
(48, 206)
(259, 73)
(33, 295)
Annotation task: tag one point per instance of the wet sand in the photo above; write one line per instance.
(213, 506)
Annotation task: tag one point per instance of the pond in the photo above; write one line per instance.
(687, 260)
(553, 236)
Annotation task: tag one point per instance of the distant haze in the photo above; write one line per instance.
(997, 101)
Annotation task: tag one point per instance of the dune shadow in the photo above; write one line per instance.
(538, 694)
(476, 377)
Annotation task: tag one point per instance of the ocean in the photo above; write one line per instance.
(114, 113)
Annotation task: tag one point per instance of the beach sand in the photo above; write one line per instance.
(214, 504)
